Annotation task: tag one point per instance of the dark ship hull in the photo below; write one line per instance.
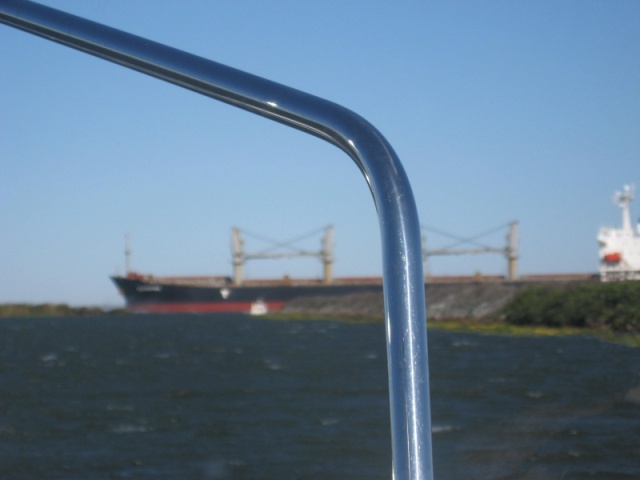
(145, 294)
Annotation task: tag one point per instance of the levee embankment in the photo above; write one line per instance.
(457, 300)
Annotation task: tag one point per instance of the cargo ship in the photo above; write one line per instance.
(198, 294)
(148, 294)
(145, 293)
(619, 248)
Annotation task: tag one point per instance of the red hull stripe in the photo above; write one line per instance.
(242, 307)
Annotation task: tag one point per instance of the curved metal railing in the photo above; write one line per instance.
(405, 311)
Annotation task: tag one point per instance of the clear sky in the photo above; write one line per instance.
(499, 111)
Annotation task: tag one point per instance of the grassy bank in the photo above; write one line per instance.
(487, 327)
(49, 310)
(609, 311)
(501, 328)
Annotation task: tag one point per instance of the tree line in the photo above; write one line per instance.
(48, 310)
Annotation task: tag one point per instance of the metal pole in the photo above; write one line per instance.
(327, 255)
(237, 249)
(405, 310)
(512, 251)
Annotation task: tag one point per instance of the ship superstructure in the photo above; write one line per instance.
(620, 247)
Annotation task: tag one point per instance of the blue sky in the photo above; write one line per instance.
(499, 111)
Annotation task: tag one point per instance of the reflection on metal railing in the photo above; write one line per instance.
(399, 226)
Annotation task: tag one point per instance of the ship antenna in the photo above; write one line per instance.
(623, 199)
(127, 255)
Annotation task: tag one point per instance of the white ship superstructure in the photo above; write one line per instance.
(620, 247)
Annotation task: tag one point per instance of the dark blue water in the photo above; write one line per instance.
(228, 396)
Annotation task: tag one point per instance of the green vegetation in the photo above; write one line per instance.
(609, 311)
(501, 328)
(613, 307)
(48, 310)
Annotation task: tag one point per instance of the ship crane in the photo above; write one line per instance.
(281, 250)
(510, 250)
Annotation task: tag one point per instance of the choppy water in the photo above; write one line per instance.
(228, 396)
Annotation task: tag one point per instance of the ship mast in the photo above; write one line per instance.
(623, 199)
(127, 255)
(326, 255)
(237, 249)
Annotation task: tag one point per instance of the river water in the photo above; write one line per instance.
(229, 396)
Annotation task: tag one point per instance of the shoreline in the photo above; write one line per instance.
(473, 325)
(500, 328)
(482, 327)
(18, 310)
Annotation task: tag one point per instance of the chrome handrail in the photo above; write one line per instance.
(405, 311)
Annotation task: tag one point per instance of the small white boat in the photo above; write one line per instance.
(259, 308)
